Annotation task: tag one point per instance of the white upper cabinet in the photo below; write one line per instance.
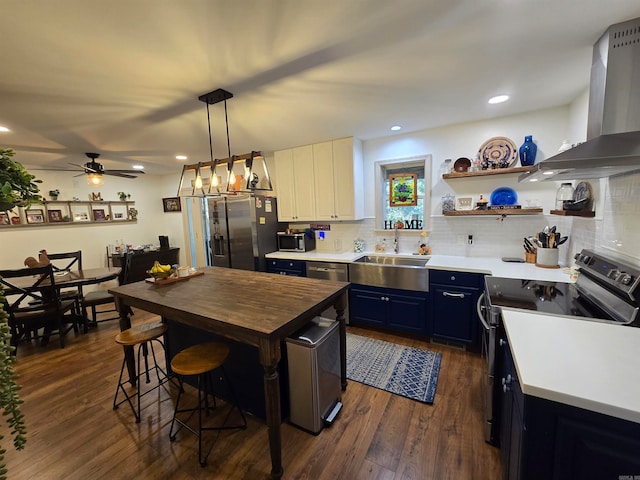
(322, 181)
(338, 179)
(295, 186)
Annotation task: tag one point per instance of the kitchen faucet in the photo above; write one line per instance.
(395, 240)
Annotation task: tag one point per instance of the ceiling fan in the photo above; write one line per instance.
(96, 168)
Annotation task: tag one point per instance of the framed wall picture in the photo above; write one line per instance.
(80, 217)
(99, 215)
(403, 189)
(171, 204)
(35, 215)
(55, 216)
(4, 218)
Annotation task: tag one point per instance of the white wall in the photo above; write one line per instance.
(448, 235)
(147, 191)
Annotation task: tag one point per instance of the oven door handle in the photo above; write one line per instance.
(479, 308)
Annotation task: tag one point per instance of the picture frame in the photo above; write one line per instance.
(403, 189)
(80, 217)
(55, 216)
(99, 215)
(171, 204)
(4, 219)
(35, 215)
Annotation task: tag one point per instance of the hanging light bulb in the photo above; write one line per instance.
(95, 179)
(198, 183)
(215, 181)
(232, 178)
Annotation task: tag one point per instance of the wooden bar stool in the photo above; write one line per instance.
(201, 360)
(143, 336)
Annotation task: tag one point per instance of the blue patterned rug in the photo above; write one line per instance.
(407, 371)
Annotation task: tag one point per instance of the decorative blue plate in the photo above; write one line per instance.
(504, 196)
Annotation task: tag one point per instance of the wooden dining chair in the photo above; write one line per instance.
(33, 303)
(65, 262)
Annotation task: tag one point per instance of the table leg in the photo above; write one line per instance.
(125, 323)
(269, 358)
(340, 306)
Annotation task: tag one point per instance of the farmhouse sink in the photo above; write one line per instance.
(391, 271)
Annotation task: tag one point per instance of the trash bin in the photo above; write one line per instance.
(313, 356)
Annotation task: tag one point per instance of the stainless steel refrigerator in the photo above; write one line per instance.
(240, 230)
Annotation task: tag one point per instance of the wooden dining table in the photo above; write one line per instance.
(258, 309)
(75, 278)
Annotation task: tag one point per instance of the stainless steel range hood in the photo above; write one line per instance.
(613, 130)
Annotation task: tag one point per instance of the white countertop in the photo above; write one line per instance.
(582, 363)
(487, 265)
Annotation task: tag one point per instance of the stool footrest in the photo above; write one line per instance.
(162, 379)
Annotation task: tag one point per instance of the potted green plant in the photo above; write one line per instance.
(9, 400)
(54, 194)
(17, 186)
(124, 196)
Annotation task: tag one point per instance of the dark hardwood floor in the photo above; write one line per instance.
(73, 432)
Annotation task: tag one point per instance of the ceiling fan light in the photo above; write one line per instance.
(95, 179)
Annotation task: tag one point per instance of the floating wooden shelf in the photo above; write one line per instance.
(483, 173)
(77, 212)
(506, 211)
(574, 213)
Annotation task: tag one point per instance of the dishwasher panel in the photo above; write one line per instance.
(334, 271)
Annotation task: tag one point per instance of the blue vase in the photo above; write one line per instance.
(528, 152)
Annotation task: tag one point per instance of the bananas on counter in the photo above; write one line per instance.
(158, 268)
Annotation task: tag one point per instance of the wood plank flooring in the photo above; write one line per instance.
(73, 432)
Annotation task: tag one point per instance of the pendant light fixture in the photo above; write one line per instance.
(241, 173)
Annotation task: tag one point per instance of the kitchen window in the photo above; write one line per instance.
(387, 215)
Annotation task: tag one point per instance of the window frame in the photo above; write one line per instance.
(382, 196)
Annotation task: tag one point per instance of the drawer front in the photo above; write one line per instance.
(296, 268)
(462, 279)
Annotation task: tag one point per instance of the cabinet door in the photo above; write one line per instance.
(347, 178)
(285, 186)
(407, 312)
(296, 197)
(367, 306)
(305, 203)
(324, 180)
(454, 313)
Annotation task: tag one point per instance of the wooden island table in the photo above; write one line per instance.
(258, 309)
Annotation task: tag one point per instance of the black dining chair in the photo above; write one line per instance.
(33, 303)
(65, 262)
(96, 298)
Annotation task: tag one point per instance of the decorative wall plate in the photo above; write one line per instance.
(504, 196)
(582, 191)
(498, 152)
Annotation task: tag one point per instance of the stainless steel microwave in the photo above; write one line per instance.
(296, 242)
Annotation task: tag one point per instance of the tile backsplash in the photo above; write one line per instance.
(616, 229)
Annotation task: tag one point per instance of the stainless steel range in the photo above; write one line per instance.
(607, 290)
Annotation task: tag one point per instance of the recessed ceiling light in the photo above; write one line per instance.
(499, 99)
(395, 128)
(138, 167)
(4, 129)
(181, 157)
(533, 179)
(549, 172)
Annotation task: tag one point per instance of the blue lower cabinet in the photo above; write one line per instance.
(540, 438)
(454, 314)
(454, 298)
(401, 310)
(295, 268)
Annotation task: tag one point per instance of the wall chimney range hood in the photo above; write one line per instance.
(613, 129)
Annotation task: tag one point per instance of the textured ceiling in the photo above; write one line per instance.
(122, 78)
